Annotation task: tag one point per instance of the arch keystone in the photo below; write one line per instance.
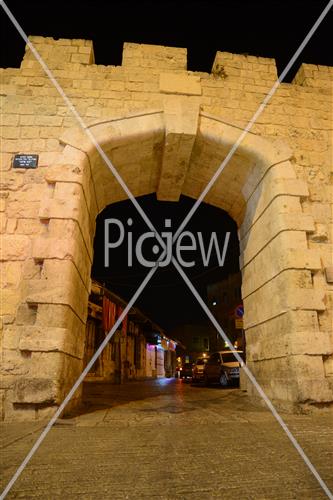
(181, 124)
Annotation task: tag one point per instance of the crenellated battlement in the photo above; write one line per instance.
(64, 52)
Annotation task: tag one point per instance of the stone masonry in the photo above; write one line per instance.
(166, 130)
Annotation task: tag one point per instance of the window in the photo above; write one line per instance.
(230, 358)
(214, 359)
(196, 340)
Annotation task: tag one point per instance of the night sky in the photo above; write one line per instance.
(166, 298)
(269, 28)
(273, 28)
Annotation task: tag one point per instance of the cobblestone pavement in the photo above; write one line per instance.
(166, 439)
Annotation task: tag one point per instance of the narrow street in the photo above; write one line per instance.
(167, 439)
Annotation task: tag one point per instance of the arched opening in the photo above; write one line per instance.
(166, 323)
(161, 152)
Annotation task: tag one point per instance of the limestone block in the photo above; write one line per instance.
(181, 121)
(50, 339)
(3, 223)
(19, 210)
(297, 380)
(26, 314)
(11, 226)
(292, 333)
(320, 234)
(70, 248)
(73, 174)
(72, 190)
(5, 161)
(171, 83)
(23, 413)
(9, 301)
(274, 259)
(29, 226)
(11, 181)
(328, 366)
(290, 290)
(53, 248)
(64, 173)
(73, 156)
(135, 127)
(11, 273)
(73, 208)
(281, 386)
(48, 159)
(261, 152)
(154, 56)
(297, 321)
(268, 191)
(83, 58)
(11, 337)
(15, 247)
(12, 362)
(36, 391)
(31, 269)
(30, 193)
(312, 385)
(59, 316)
(61, 285)
(283, 214)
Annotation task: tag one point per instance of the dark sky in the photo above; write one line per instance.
(271, 28)
(166, 298)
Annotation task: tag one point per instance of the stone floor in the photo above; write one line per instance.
(166, 439)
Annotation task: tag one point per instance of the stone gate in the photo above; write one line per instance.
(166, 130)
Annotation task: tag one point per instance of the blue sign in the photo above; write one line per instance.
(239, 311)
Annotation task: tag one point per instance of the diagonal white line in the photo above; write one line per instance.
(122, 183)
(141, 287)
(195, 207)
(253, 380)
(76, 385)
(81, 122)
(254, 118)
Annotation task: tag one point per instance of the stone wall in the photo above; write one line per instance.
(166, 130)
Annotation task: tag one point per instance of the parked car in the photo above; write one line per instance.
(222, 367)
(198, 369)
(185, 371)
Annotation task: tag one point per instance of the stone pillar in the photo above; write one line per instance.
(44, 344)
(284, 345)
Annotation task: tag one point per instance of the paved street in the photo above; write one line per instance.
(166, 439)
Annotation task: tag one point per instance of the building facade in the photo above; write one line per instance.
(139, 349)
(166, 130)
(224, 297)
(194, 341)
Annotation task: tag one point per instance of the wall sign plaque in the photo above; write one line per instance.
(25, 161)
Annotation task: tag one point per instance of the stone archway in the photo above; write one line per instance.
(172, 151)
